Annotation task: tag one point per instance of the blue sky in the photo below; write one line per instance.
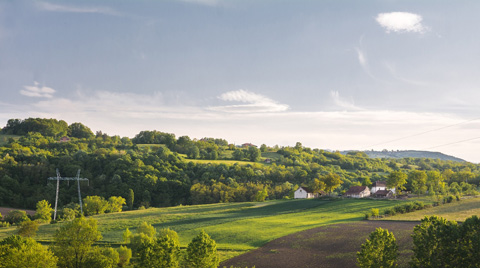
(331, 74)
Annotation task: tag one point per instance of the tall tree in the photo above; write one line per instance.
(397, 180)
(202, 252)
(44, 211)
(74, 240)
(418, 180)
(332, 181)
(95, 205)
(379, 251)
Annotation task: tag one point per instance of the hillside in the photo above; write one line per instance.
(410, 154)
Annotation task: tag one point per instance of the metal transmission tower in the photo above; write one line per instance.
(58, 178)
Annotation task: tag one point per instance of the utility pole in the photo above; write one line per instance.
(58, 179)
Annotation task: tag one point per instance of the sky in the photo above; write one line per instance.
(331, 74)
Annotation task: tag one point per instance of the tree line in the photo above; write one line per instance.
(155, 168)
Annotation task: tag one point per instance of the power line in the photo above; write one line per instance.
(452, 143)
(421, 133)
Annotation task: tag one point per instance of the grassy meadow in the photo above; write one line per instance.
(456, 211)
(236, 227)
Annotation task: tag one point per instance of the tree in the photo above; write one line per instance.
(124, 256)
(435, 182)
(160, 252)
(469, 242)
(253, 153)
(332, 181)
(78, 130)
(380, 250)
(74, 240)
(95, 205)
(126, 236)
(19, 252)
(130, 198)
(418, 179)
(105, 257)
(147, 229)
(27, 228)
(44, 211)
(397, 180)
(202, 252)
(115, 203)
(435, 243)
(16, 216)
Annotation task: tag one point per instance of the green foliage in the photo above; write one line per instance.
(130, 198)
(379, 251)
(101, 257)
(124, 256)
(202, 252)
(397, 180)
(160, 252)
(78, 130)
(18, 252)
(44, 211)
(27, 228)
(146, 229)
(115, 203)
(331, 181)
(435, 243)
(16, 216)
(94, 205)
(126, 236)
(74, 240)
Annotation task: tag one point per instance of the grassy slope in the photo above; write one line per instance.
(457, 211)
(236, 227)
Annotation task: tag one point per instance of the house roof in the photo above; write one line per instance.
(356, 189)
(308, 190)
(379, 184)
(382, 192)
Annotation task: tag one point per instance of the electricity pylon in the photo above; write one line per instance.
(58, 178)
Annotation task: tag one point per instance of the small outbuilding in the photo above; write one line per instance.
(383, 194)
(358, 192)
(304, 192)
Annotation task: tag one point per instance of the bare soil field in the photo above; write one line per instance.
(4, 211)
(328, 246)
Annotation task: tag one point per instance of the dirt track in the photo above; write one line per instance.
(329, 246)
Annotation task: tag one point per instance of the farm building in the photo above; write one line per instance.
(380, 185)
(383, 194)
(304, 192)
(358, 192)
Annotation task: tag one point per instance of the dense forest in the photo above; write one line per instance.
(157, 169)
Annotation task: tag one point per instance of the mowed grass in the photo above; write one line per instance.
(457, 211)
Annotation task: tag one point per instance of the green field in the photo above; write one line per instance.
(236, 227)
(457, 211)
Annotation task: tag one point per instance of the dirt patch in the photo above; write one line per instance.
(4, 211)
(329, 246)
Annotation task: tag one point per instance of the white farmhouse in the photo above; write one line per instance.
(304, 192)
(380, 186)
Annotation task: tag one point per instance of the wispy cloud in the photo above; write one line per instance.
(37, 91)
(401, 22)
(203, 2)
(45, 6)
(255, 103)
(342, 102)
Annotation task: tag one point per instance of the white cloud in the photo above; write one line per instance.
(37, 91)
(256, 103)
(45, 6)
(343, 103)
(401, 22)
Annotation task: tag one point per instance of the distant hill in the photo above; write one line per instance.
(410, 153)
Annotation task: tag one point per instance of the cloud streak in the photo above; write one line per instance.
(45, 6)
(401, 22)
(37, 91)
(255, 103)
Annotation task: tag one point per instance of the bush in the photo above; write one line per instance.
(16, 216)
(380, 250)
(390, 212)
